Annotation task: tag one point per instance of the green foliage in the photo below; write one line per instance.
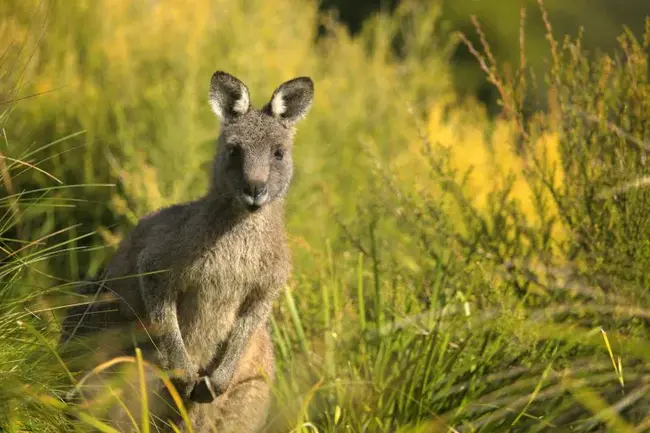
(600, 22)
(452, 272)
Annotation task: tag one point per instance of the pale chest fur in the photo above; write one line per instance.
(215, 283)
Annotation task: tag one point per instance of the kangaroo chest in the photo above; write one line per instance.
(214, 284)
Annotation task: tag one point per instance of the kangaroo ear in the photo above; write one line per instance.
(291, 101)
(228, 96)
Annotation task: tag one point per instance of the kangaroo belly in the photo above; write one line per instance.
(214, 287)
(206, 318)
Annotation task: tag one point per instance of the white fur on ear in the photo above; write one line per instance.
(224, 88)
(241, 105)
(216, 106)
(291, 101)
(277, 104)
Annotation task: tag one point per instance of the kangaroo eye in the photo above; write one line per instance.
(279, 154)
(233, 151)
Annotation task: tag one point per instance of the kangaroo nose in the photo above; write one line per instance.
(255, 194)
(255, 190)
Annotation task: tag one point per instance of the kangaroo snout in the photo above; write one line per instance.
(255, 194)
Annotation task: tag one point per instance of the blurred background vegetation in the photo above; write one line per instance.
(469, 217)
(601, 20)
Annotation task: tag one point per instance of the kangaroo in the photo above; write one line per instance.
(193, 284)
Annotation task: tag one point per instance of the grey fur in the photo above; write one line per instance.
(207, 273)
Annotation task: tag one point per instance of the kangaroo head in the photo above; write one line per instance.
(253, 163)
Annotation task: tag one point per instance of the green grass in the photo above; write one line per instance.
(452, 273)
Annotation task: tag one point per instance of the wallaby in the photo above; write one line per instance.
(198, 279)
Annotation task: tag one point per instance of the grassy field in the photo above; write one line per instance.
(453, 271)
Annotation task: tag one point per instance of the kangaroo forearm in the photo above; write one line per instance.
(238, 340)
(172, 351)
(169, 338)
(160, 306)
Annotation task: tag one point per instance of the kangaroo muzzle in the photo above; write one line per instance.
(255, 194)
